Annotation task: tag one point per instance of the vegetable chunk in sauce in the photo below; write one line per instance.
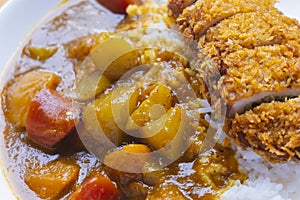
(52, 180)
(50, 118)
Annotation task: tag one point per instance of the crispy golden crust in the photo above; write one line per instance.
(271, 129)
(249, 30)
(196, 19)
(263, 69)
(249, 72)
(177, 6)
(273, 41)
(250, 50)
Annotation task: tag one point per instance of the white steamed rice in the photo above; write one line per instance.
(266, 181)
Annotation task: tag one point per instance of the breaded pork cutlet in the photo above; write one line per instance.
(256, 80)
(254, 74)
(177, 6)
(265, 27)
(197, 18)
(249, 30)
(271, 129)
(249, 62)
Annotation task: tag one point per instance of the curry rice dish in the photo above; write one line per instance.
(247, 57)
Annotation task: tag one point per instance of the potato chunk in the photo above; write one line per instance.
(169, 191)
(52, 180)
(124, 102)
(22, 91)
(167, 130)
(99, 115)
(125, 165)
(160, 97)
(51, 117)
(107, 52)
(110, 112)
(91, 86)
(40, 53)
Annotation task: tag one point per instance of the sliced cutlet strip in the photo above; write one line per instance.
(246, 30)
(253, 74)
(249, 30)
(271, 129)
(177, 6)
(196, 19)
(247, 76)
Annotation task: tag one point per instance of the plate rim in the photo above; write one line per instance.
(8, 10)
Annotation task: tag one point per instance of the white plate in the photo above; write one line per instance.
(18, 16)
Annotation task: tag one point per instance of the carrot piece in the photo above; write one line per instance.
(96, 187)
(50, 118)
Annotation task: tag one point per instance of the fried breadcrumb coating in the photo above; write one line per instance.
(196, 19)
(177, 6)
(263, 69)
(271, 129)
(249, 30)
